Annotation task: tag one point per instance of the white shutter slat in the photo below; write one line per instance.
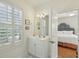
(5, 27)
(18, 24)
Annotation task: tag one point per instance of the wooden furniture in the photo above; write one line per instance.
(67, 50)
(68, 45)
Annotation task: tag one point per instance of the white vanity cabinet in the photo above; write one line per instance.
(38, 47)
(31, 46)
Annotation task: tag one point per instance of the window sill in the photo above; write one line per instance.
(9, 43)
(5, 44)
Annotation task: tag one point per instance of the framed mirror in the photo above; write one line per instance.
(42, 23)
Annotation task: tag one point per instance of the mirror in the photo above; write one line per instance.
(42, 23)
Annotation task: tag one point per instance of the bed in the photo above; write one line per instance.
(66, 36)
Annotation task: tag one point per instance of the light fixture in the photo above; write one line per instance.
(73, 14)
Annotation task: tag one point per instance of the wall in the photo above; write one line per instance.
(18, 49)
(71, 21)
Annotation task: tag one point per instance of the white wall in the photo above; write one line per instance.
(71, 21)
(19, 49)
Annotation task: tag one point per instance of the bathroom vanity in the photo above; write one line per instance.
(38, 46)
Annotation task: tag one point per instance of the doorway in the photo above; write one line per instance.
(67, 34)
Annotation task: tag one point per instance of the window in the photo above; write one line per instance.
(10, 23)
(18, 24)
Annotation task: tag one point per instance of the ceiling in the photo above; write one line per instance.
(36, 3)
(57, 5)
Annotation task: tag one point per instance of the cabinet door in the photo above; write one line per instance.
(31, 47)
(54, 50)
(42, 49)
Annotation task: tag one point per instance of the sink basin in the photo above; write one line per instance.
(38, 37)
(52, 42)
